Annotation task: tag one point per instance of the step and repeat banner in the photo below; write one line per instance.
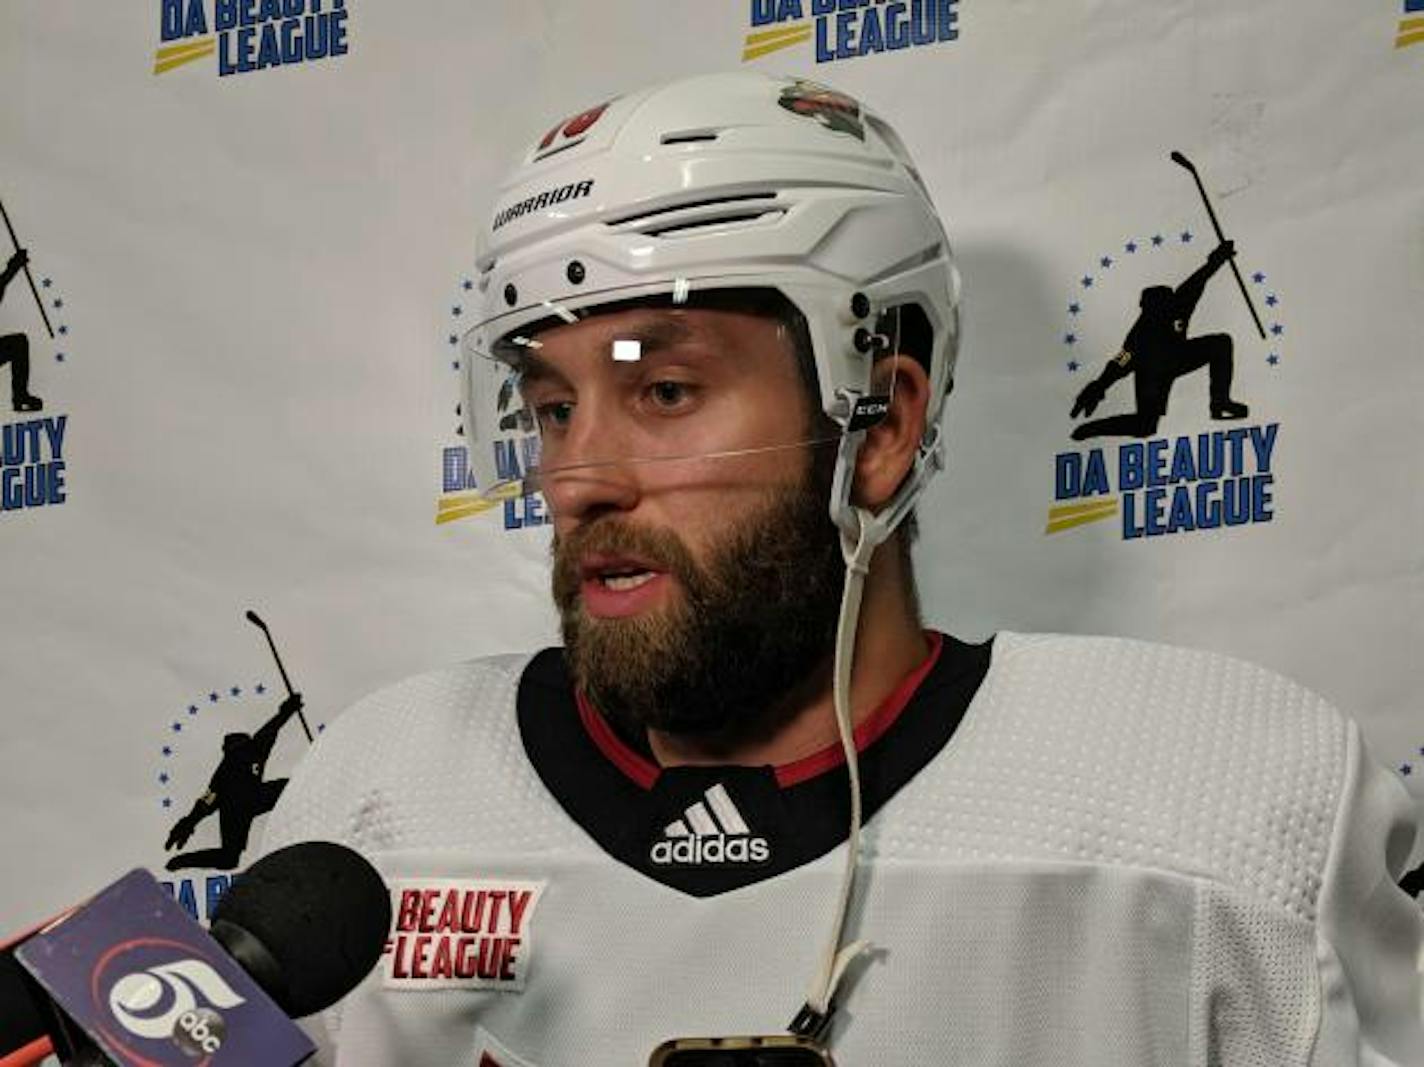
(229, 359)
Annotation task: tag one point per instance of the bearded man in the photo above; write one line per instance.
(717, 332)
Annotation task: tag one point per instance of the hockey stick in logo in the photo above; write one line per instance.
(1183, 161)
(28, 276)
(256, 621)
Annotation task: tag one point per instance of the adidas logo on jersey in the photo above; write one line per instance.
(711, 833)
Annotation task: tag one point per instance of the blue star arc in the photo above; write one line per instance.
(194, 708)
(1131, 245)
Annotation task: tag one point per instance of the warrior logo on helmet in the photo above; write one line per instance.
(835, 111)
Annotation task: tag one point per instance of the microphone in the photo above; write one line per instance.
(131, 974)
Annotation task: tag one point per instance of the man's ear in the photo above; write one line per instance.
(888, 452)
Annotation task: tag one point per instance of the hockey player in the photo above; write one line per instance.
(717, 333)
(1157, 351)
(15, 347)
(237, 792)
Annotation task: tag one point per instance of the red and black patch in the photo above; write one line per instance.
(833, 110)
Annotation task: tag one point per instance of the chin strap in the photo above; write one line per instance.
(861, 533)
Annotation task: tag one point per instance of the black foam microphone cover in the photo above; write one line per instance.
(308, 922)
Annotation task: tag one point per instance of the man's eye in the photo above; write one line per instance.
(670, 394)
(554, 416)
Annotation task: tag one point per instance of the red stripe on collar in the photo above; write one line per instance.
(644, 772)
(870, 730)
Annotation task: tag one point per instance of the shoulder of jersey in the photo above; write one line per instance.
(400, 764)
(1123, 752)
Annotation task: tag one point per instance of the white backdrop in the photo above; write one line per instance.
(257, 275)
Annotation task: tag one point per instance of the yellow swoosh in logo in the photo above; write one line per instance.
(1411, 31)
(1066, 516)
(175, 55)
(764, 42)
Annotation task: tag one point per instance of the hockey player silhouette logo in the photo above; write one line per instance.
(15, 347)
(237, 792)
(1157, 352)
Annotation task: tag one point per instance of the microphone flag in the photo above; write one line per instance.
(147, 985)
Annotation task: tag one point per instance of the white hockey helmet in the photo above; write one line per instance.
(730, 181)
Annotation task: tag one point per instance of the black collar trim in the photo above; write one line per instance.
(710, 830)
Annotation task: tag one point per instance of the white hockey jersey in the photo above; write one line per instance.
(1081, 852)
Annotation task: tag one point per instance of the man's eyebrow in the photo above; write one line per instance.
(657, 331)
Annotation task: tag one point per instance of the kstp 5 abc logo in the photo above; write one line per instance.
(569, 132)
(161, 1000)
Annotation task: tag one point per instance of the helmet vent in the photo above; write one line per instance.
(689, 136)
(719, 220)
(690, 205)
(701, 214)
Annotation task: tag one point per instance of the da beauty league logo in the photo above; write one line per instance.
(459, 496)
(35, 346)
(218, 767)
(835, 30)
(246, 36)
(1166, 393)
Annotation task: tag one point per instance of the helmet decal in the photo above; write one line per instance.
(568, 132)
(835, 111)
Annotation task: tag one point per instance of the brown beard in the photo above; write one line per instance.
(753, 622)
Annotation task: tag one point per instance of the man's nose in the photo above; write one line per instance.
(590, 472)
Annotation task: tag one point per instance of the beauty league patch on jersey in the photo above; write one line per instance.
(460, 934)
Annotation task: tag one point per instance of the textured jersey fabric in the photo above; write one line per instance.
(1125, 853)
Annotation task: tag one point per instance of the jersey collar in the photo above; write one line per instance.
(710, 829)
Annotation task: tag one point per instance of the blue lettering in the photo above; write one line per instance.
(506, 461)
(455, 471)
(1129, 467)
(872, 37)
(292, 9)
(763, 12)
(1208, 507)
(1131, 528)
(1261, 503)
(182, 20)
(823, 47)
(845, 35)
(268, 10)
(524, 511)
(1067, 476)
(1157, 461)
(54, 429)
(1211, 457)
(948, 20)
(1183, 470)
(338, 30)
(823, 7)
(217, 885)
(1181, 514)
(1236, 439)
(187, 899)
(1095, 479)
(292, 44)
(1263, 442)
(1236, 502)
(224, 14)
(269, 50)
(922, 21)
(55, 493)
(897, 30)
(1155, 502)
